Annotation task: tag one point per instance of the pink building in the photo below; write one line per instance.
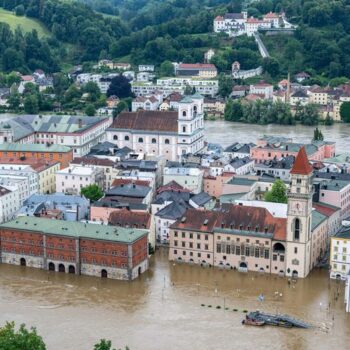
(316, 151)
(213, 185)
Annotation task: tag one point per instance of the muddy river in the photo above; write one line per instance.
(168, 308)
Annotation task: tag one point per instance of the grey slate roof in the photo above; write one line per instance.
(129, 190)
(240, 147)
(201, 198)
(173, 211)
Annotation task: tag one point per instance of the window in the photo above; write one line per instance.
(184, 114)
(175, 243)
(274, 257)
(296, 229)
(115, 137)
(184, 129)
(295, 250)
(298, 181)
(167, 141)
(175, 233)
(218, 248)
(183, 244)
(175, 252)
(198, 246)
(206, 246)
(266, 253)
(183, 234)
(154, 141)
(140, 140)
(126, 138)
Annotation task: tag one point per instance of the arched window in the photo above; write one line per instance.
(184, 129)
(167, 141)
(115, 137)
(195, 109)
(154, 141)
(140, 139)
(126, 138)
(184, 113)
(296, 229)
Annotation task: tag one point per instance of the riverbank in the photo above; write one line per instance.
(226, 133)
(163, 308)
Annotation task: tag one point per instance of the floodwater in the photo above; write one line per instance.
(167, 308)
(226, 133)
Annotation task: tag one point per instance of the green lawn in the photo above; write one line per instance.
(27, 24)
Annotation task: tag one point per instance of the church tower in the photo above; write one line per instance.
(299, 217)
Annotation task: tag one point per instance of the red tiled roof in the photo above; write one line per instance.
(127, 218)
(92, 161)
(172, 186)
(147, 120)
(271, 15)
(119, 182)
(301, 165)
(254, 20)
(219, 18)
(325, 209)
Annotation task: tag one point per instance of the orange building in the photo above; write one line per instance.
(26, 151)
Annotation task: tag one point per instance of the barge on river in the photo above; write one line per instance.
(257, 318)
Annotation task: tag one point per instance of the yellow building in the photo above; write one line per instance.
(340, 254)
(47, 179)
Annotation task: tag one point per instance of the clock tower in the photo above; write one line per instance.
(299, 219)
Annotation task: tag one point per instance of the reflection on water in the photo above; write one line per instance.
(226, 133)
(162, 309)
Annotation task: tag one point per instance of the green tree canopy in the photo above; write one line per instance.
(31, 104)
(21, 339)
(92, 192)
(90, 110)
(345, 112)
(318, 136)
(166, 69)
(278, 193)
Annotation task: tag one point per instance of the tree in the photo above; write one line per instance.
(271, 66)
(167, 69)
(318, 136)
(225, 85)
(31, 105)
(278, 193)
(90, 110)
(120, 87)
(19, 10)
(233, 111)
(345, 111)
(92, 192)
(14, 101)
(121, 106)
(22, 339)
(309, 115)
(103, 345)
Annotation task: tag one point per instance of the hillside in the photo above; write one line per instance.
(26, 24)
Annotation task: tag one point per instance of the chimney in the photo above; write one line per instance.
(80, 123)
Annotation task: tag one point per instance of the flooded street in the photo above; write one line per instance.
(163, 309)
(226, 133)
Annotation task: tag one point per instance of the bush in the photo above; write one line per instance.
(19, 10)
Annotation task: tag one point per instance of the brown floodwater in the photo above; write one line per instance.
(163, 308)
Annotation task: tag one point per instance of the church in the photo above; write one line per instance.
(161, 133)
(251, 238)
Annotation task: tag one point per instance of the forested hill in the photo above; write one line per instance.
(151, 31)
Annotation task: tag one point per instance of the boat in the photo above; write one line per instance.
(252, 322)
(274, 320)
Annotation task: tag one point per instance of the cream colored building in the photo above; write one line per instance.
(340, 253)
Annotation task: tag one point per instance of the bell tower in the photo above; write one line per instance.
(299, 217)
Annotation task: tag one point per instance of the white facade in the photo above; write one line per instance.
(202, 86)
(72, 179)
(9, 203)
(150, 103)
(340, 257)
(240, 169)
(262, 89)
(189, 178)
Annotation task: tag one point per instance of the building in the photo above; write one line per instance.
(207, 87)
(208, 55)
(133, 219)
(146, 68)
(262, 89)
(214, 107)
(79, 248)
(213, 185)
(9, 203)
(300, 77)
(240, 166)
(70, 207)
(279, 168)
(340, 253)
(72, 179)
(251, 238)
(201, 70)
(299, 97)
(238, 150)
(186, 176)
(36, 152)
(161, 133)
(238, 73)
(105, 164)
(146, 103)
